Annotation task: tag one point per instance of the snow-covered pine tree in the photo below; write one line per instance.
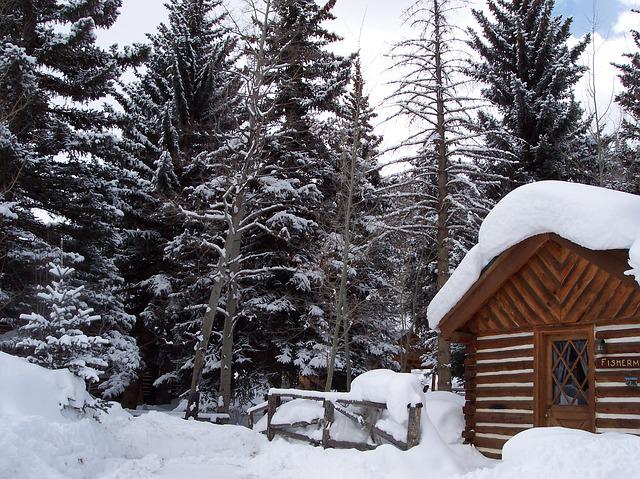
(62, 336)
(289, 300)
(357, 264)
(629, 100)
(528, 71)
(62, 159)
(179, 116)
(443, 148)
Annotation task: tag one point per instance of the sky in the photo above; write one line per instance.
(372, 26)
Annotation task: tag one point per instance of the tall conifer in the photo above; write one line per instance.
(528, 71)
(58, 179)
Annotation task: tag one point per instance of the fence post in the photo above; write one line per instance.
(273, 402)
(413, 429)
(329, 416)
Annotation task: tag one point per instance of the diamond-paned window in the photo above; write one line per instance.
(570, 373)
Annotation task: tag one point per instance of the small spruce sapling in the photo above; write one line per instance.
(62, 338)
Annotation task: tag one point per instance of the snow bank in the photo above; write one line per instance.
(558, 453)
(298, 410)
(444, 412)
(36, 440)
(596, 218)
(29, 390)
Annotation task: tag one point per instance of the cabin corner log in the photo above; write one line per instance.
(413, 428)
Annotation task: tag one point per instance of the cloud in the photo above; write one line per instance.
(627, 20)
(608, 50)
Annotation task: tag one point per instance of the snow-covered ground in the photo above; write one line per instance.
(39, 440)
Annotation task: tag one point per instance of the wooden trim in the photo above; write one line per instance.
(507, 265)
(494, 276)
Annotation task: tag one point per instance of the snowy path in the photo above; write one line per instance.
(158, 446)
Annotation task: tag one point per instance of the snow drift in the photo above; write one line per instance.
(592, 217)
(553, 452)
(38, 438)
(28, 390)
(396, 390)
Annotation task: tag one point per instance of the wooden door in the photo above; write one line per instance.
(566, 397)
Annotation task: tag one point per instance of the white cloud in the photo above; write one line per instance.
(627, 20)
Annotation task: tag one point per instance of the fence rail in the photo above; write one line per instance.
(338, 403)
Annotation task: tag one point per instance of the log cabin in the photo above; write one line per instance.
(549, 309)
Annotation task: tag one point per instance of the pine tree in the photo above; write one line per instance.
(357, 264)
(629, 100)
(528, 72)
(62, 158)
(62, 337)
(179, 118)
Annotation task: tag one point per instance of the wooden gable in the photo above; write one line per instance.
(544, 281)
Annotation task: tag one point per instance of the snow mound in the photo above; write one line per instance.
(444, 411)
(558, 453)
(36, 440)
(30, 390)
(298, 410)
(592, 217)
(396, 390)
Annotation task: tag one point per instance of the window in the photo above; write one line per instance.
(570, 373)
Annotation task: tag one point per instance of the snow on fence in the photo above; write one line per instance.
(365, 415)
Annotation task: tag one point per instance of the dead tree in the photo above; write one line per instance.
(432, 94)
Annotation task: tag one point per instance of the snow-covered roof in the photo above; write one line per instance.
(592, 217)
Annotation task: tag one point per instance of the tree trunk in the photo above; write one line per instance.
(347, 358)
(444, 352)
(341, 320)
(226, 361)
(227, 266)
(193, 401)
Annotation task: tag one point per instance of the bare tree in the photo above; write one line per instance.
(349, 175)
(434, 94)
(233, 210)
(599, 117)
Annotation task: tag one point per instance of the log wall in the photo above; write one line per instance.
(617, 404)
(499, 389)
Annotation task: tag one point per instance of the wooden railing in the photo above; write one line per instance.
(257, 409)
(337, 403)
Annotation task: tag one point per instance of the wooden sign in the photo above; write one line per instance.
(619, 362)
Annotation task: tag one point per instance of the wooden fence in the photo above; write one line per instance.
(338, 403)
